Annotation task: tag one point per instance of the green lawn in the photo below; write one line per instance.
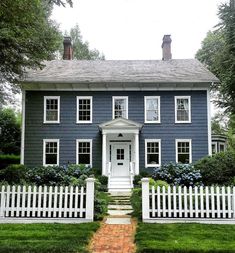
(194, 238)
(31, 238)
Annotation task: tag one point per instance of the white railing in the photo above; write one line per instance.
(132, 169)
(48, 202)
(109, 166)
(187, 202)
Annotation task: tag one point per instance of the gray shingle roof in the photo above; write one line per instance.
(137, 71)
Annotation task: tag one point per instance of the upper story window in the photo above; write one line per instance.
(152, 109)
(182, 109)
(152, 152)
(120, 107)
(84, 109)
(183, 151)
(51, 109)
(50, 152)
(84, 152)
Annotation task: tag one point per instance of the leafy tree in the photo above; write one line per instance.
(219, 123)
(27, 37)
(62, 3)
(218, 53)
(81, 50)
(10, 132)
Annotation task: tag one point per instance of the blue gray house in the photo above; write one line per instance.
(120, 116)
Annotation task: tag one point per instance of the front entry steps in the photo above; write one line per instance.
(120, 205)
(120, 184)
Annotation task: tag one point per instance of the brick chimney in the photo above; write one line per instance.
(68, 51)
(166, 48)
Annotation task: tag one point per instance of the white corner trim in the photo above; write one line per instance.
(22, 128)
(145, 109)
(113, 104)
(190, 148)
(209, 122)
(91, 109)
(44, 151)
(160, 158)
(77, 153)
(45, 121)
(189, 105)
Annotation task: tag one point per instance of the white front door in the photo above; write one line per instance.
(120, 159)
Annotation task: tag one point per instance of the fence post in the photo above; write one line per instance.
(2, 206)
(90, 192)
(145, 198)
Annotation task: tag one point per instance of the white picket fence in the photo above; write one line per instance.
(53, 203)
(183, 203)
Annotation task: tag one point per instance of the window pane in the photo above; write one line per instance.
(120, 108)
(153, 159)
(51, 109)
(120, 154)
(51, 159)
(84, 109)
(152, 109)
(183, 158)
(182, 109)
(84, 159)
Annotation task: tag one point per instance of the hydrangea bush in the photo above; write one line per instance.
(178, 174)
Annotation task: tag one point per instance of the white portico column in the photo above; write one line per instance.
(104, 140)
(136, 153)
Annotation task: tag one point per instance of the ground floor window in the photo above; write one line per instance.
(84, 152)
(183, 151)
(152, 152)
(50, 152)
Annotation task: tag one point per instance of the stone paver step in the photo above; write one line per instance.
(119, 212)
(120, 207)
(111, 220)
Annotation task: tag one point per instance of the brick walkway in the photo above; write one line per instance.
(114, 239)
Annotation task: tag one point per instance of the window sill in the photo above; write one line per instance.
(51, 122)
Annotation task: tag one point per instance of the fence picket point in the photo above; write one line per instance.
(76, 203)
(196, 201)
(153, 202)
(55, 202)
(81, 201)
(202, 202)
(218, 201)
(61, 195)
(18, 196)
(185, 202)
(212, 202)
(223, 202)
(229, 201)
(174, 201)
(207, 202)
(44, 201)
(3, 201)
(39, 201)
(180, 201)
(169, 201)
(28, 201)
(164, 201)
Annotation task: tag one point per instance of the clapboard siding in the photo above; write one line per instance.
(68, 130)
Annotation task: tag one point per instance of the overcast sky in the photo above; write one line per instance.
(133, 29)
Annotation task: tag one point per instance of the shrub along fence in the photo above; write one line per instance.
(50, 204)
(187, 203)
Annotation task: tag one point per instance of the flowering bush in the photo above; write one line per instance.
(178, 174)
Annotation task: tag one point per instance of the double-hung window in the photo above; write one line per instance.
(120, 107)
(183, 151)
(182, 109)
(51, 109)
(84, 152)
(50, 152)
(152, 152)
(84, 109)
(152, 109)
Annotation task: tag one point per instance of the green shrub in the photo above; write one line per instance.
(6, 160)
(101, 205)
(137, 180)
(103, 183)
(136, 202)
(178, 174)
(14, 174)
(217, 169)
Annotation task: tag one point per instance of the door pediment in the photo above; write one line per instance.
(120, 123)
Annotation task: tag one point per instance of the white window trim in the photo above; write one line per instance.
(44, 151)
(189, 105)
(91, 109)
(145, 109)
(216, 148)
(221, 144)
(45, 121)
(120, 97)
(160, 156)
(190, 149)
(84, 140)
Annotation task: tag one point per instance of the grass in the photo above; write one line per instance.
(35, 238)
(184, 238)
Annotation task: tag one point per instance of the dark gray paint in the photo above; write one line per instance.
(68, 131)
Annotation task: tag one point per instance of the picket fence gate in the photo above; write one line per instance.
(187, 203)
(47, 203)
